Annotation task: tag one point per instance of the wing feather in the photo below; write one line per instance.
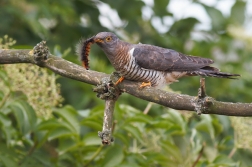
(157, 58)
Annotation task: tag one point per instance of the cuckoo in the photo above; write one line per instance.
(152, 65)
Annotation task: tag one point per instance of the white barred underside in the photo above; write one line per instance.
(132, 71)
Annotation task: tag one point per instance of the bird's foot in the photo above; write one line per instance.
(119, 80)
(145, 84)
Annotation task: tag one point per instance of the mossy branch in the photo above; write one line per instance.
(168, 99)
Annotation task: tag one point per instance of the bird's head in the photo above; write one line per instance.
(107, 41)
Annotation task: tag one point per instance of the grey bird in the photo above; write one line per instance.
(154, 66)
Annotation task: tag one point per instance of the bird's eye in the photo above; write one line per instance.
(108, 39)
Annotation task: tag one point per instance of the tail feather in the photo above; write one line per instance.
(209, 71)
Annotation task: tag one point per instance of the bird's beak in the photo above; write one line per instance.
(90, 40)
(97, 40)
(94, 39)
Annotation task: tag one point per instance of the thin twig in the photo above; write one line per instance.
(147, 109)
(199, 156)
(94, 156)
(202, 89)
(29, 153)
(232, 152)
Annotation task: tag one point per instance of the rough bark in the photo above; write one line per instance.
(168, 99)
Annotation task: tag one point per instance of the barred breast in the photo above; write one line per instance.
(132, 71)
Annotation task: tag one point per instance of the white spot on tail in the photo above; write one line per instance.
(131, 51)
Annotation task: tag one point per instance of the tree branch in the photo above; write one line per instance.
(168, 99)
(110, 94)
(199, 156)
(106, 134)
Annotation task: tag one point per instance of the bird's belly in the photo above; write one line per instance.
(157, 78)
(171, 77)
(139, 74)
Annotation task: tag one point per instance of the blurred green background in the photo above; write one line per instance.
(48, 120)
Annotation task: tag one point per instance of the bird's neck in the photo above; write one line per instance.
(119, 55)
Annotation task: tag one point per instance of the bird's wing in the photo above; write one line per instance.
(157, 58)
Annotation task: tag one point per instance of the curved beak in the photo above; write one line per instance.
(94, 39)
(90, 40)
(97, 40)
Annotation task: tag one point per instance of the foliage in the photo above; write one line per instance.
(6, 42)
(40, 88)
(69, 138)
(164, 137)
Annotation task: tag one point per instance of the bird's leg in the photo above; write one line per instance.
(145, 84)
(119, 80)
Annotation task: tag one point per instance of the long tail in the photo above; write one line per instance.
(212, 72)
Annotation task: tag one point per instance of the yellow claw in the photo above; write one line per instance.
(119, 80)
(144, 84)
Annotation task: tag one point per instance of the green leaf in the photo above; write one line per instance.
(205, 125)
(224, 160)
(25, 116)
(134, 131)
(217, 18)
(69, 114)
(1, 95)
(31, 114)
(92, 124)
(7, 161)
(175, 130)
(60, 132)
(6, 128)
(21, 117)
(160, 8)
(120, 136)
(176, 118)
(238, 12)
(182, 28)
(91, 139)
(118, 113)
(113, 157)
(38, 159)
(66, 144)
(161, 123)
(140, 117)
(172, 150)
(4, 78)
(129, 110)
(97, 111)
(49, 124)
(218, 127)
(243, 155)
(4, 120)
(161, 158)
